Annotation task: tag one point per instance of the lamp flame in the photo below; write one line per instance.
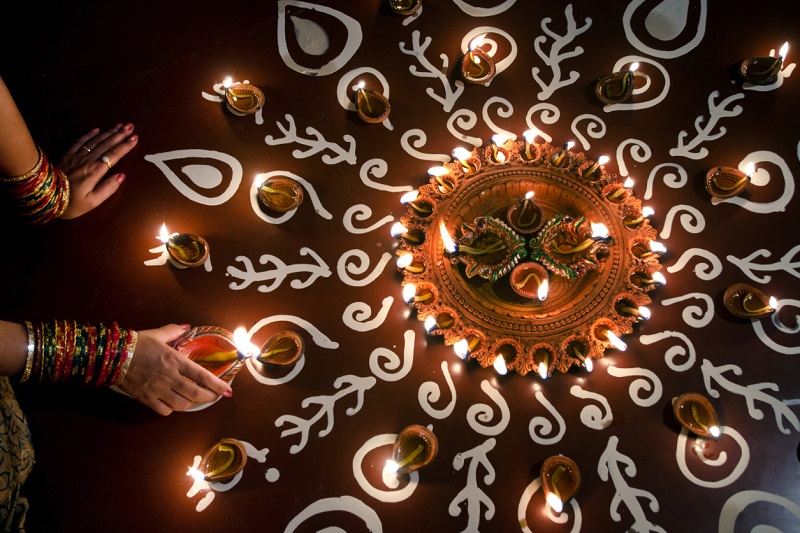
(438, 171)
(530, 135)
(476, 42)
(714, 430)
(784, 50)
(628, 183)
(773, 302)
(462, 348)
(392, 466)
(430, 324)
(555, 502)
(462, 154)
(616, 341)
(449, 243)
(163, 235)
(657, 247)
(659, 278)
(529, 195)
(242, 342)
(542, 370)
(588, 364)
(500, 139)
(500, 365)
(644, 312)
(404, 260)
(569, 145)
(634, 66)
(648, 211)
(749, 168)
(227, 82)
(544, 286)
(599, 231)
(410, 196)
(259, 180)
(409, 291)
(398, 229)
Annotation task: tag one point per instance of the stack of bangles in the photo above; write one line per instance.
(41, 194)
(67, 352)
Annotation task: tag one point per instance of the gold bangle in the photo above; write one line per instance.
(129, 356)
(29, 357)
(34, 171)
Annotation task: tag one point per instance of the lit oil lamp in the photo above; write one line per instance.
(408, 263)
(612, 338)
(498, 140)
(561, 479)
(215, 349)
(696, 414)
(530, 280)
(442, 178)
(641, 312)
(184, 250)
(616, 87)
(466, 159)
(745, 301)
(525, 216)
(223, 461)
(763, 70)
(560, 158)
(279, 194)
(585, 361)
(243, 98)
(655, 279)
(500, 365)
(589, 172)
(726, 182)
(371, 106)
(466, 346)
(410, 199)
(412, 295)
(415, 446)
(441, 321)
(543, 368)
(281, 349)
(530, 137)
(399, 231)
(477, 67)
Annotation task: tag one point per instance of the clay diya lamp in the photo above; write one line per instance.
(371, 106)
(477, 67)
(223, 460)
(530, 280)
(745, 301)
(525, 217)
(280, 194)
(243, 97)
(488, 248)
(616, 87)
(561, 479)
(405, 7)
(407, 262)
(213, 348)
(725, 182)
(561, 158)
(593, 172)
(695, 413)
(763, 70)
(282, 349)
(414, 447)
(185, 250)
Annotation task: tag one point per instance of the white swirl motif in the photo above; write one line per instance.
(540, 427)
(474, 11)
(692, 220)
(649, 381)
(561, 518)
(665, 16)
(670, 179)
(410, 146)
(350, 47)
(705, 271)
(362, 212)
(737, 503)
(203, 176)
(466, 119)
(592, 416)
(489, 31)
(640, 103)
(694, 315)
(357, 315)
(505, 110)
(674, 351)
(345, 267)
(549, 114)
(738, 470)
(392, 360)
(310, 191)
(347, 80)
(776, 321)
(386, 496)
(346, 504)
(479, 415)
(430, 392)
(596, 128)
(761, 178)
(378, 168)
(640, 152)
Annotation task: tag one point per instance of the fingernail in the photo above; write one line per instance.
(228, 393)
(128, 127)
(120, 177)
(186, 326)
(133, 138)
(95, 130)
(118, 126)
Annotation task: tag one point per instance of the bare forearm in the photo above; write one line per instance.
(13, 348)
(18, 152)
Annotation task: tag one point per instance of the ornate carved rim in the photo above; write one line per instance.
(493, 318)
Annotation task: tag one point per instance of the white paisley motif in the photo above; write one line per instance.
(357, 315)
(674, 351)
(431, 392)
(345, 267)
(392, 361)
(670, 179)
(705, 271)
(481, 414)
(539, 426)
(363, 212)
(592, 416)
(648, 382)
(596, 128)
(693, 315)
(760, 178)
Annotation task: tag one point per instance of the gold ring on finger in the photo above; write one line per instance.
(105, 159)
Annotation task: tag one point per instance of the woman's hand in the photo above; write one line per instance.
(166, 380)
(87, 162)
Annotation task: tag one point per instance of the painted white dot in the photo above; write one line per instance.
(272, 475)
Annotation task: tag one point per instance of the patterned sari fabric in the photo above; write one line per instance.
(16, 459)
